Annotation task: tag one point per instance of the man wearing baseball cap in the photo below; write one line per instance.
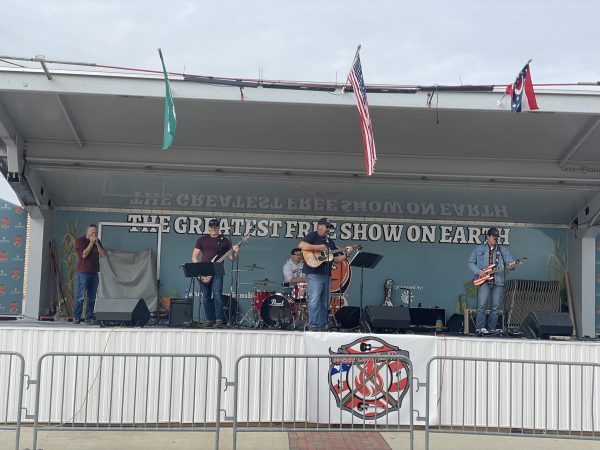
(484, 255)
(213, 246)
(319, 277)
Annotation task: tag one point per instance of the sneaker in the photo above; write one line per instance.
(76, 321)
(498, 331)
(482, 332)
(208, 324)
(90, 322)
(219, 324)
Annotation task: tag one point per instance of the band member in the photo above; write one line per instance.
(293, 271)
(319, 277)
(484, 255)
(212, 246)
(89, 250)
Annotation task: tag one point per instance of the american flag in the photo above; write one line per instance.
(522, 85)
(366, 128)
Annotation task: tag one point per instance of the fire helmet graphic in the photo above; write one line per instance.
(17, 240)
(369, 387)
(2, 289)
(19, 210)
(15, 274)
(3, 256)
(13, 307)
(5, 223)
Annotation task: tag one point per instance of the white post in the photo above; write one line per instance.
(37, 301)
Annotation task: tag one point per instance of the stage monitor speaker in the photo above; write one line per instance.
(390, 317)
(543, 324)
(348, 317)
(122, 311)
(180, 313)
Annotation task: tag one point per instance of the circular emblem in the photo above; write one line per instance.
(369, 387)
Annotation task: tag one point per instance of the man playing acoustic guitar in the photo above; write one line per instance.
(319, 277)
(212, 246)
(481, 262)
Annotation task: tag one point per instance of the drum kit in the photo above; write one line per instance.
(284, 309)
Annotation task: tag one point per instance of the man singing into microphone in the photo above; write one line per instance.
(319, 277)
(89, 249)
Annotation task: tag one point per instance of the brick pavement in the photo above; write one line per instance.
(337, 440)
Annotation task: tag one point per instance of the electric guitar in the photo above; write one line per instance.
(491, 270)
(314, 258)
(207, 279)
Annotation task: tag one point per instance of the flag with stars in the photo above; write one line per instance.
(358, 85)
(522, 96)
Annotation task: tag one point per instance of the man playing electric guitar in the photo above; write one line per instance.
(212, 246)
(319, 277)
(483, 256)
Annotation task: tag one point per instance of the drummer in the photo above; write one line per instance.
(292, 271)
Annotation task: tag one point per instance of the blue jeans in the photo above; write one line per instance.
(86, 283)
(486, 293)
(212, 294)
(318, 301)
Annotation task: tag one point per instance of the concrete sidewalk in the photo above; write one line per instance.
(116, 440)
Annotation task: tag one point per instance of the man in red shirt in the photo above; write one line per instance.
(213, 246)
(89, 249)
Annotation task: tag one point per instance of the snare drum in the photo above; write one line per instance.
(277, 310)
(259, 298)
(299, 293)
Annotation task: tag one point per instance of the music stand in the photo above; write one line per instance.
(200, 269)
(364, 260)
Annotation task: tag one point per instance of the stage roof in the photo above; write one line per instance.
(94, 140)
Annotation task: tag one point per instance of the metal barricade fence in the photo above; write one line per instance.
(363, 392)
(514, 397)
(12, 375)
(128, 391)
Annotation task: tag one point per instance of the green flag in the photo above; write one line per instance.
(170, 121)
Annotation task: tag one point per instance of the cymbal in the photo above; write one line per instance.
(265, 281)
(253, 267)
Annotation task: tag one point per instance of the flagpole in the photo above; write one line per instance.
(350, 71)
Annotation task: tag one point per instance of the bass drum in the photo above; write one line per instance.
(277, 311)
(340, 276)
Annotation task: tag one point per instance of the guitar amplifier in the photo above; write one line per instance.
(180, 313)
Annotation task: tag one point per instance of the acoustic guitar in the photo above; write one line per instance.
(314, 258)
(491, 270)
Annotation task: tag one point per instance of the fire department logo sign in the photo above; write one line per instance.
(368, 387)
(3, 256)
(17, 240)
(2, 289)
(5, 223)
(16, 273)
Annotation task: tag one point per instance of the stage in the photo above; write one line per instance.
(33, 339)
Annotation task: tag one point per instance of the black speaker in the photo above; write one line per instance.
(180, 312)
(348, 316)
(543, 324)
(122, 311)
(391, 317)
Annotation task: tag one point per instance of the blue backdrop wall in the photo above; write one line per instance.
(13, 233)
(429, 258)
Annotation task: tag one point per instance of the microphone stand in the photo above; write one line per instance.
(327, 276)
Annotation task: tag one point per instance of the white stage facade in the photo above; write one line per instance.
(262, 387)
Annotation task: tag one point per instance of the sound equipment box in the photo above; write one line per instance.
(180, 313)
(122, 311)
(390, 317)
(427, 317)
(543, 324)
(348, 317)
